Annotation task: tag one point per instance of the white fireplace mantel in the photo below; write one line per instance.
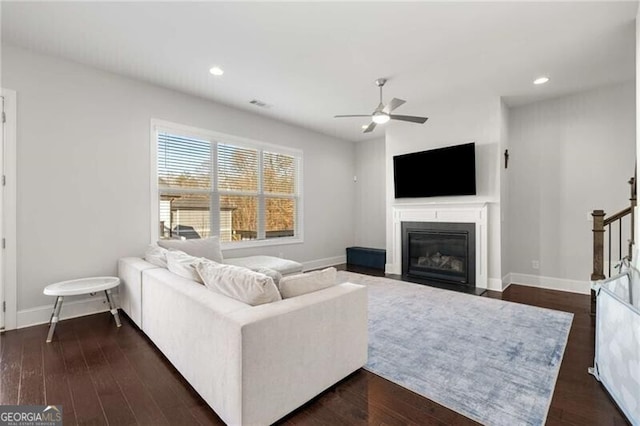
(447, 212)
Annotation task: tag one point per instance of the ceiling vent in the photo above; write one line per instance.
(259, 103)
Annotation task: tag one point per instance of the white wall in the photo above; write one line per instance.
(637, 216)
(505, 257)
(370, 213)
(83, 170)
(474, 118)
(569, 156)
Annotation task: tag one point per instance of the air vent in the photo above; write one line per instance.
(259, 103)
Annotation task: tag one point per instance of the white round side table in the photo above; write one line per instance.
(77, 287)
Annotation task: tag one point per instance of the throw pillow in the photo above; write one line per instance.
(180, 263)
(156, 255)
(208, 248)
(296, 285)
(245, 285)
(272, 273)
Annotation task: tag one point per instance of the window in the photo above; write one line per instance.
(213, 184)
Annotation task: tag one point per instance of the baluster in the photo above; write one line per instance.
(619, 239)
(609, 248)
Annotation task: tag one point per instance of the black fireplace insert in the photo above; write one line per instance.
(440, 251)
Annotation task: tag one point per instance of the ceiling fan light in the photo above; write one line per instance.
(217, 71)
(380, 118)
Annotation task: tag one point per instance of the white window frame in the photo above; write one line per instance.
(158, 126)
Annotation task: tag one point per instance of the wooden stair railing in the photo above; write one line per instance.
(602, 224)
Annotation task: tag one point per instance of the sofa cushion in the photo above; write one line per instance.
(239, 283)
(184, 265)
(272, 273)
(284, 266)
(296, 285)
(156, 255)
(208, 248)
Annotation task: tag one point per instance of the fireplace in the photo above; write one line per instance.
(440, 251)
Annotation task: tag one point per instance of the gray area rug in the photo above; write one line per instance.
(493, 361)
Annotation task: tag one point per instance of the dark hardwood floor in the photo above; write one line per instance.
(104, 375)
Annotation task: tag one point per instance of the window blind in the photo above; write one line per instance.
(279, 173)
(183, 162)
(237, 168)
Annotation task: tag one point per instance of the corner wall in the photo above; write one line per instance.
(83, 171)
(637, 216)
(370, 218)
(569, 156)
(504, 164)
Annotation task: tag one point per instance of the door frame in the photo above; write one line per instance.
(9, 207)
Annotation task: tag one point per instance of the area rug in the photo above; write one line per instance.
(495, 362)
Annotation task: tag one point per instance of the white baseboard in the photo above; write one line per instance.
(324, 263)
(392, 268)
(70, 309)
(506, 281)
(494, 284)
(551, 283)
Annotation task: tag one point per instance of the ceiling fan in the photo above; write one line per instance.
(382, 113)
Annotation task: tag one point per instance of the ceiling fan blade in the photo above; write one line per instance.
(410, 118)
(347, 116)
(370, 127)
(395, 103)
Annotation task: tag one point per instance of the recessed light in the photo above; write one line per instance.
(541, 80)
(217, 71)
(364, 126)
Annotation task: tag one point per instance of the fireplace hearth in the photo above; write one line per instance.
(439, 251)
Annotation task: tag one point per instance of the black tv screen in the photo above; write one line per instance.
(437, 172)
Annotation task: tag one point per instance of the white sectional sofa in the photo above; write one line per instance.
(283, 266)
(251, 364)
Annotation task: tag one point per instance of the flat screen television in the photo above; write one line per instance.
(437, 172)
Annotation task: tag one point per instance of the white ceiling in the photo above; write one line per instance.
(314, 60)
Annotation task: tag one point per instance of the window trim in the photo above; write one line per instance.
(158, 125)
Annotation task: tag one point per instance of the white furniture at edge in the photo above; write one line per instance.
(78, 287)
(251, 364)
